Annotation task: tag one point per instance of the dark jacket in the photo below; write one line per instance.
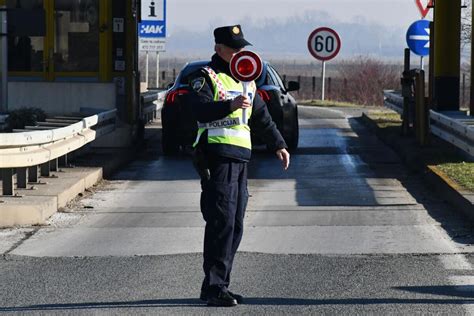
(205, 110)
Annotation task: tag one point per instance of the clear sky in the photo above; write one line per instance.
(203, 14)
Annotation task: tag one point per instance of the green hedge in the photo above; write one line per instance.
(18, 119)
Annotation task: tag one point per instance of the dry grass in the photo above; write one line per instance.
(385, 118)
(366, 77)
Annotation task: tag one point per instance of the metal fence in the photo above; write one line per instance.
(38, 150)
(455, 127)
(46, 146)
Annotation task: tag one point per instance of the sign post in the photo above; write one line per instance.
(246, 66)
(324, 44)
(152, 31)
(3, 59)
(418, 39)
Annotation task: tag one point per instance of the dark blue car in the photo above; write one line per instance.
(180, 127)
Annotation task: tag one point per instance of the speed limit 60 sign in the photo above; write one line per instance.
(324, 43)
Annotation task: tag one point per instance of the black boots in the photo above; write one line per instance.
(221, 299)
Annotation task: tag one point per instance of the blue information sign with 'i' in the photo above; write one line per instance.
(153, 15)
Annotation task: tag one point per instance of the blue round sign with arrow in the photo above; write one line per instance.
(418, 37)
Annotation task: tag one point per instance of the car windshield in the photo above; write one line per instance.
(191, 68)
(188, 70)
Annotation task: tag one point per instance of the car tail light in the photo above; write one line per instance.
(264, 95)
(171, 97)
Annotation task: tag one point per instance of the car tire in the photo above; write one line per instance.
(294, 136)
(169, 143)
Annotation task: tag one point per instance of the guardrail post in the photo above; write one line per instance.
(53, 165)
(7, 182)
(406, 93)
(422, 112)
(21, 175)
(45, 169)
(63, 161)
(33, 174)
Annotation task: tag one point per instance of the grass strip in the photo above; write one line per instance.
(462, 173)
(450, 163)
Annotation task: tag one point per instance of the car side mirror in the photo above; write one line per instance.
(293, 86)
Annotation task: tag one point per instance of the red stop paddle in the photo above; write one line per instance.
(246, 66)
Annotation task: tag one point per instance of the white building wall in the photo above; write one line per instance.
(60, 98)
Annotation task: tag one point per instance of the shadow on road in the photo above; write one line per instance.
(445, 290)
(253, 301)
(458, 226)
(339, 163)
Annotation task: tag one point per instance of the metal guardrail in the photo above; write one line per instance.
(152, 102)
(454, 127)
(393, 101)
(458, 130)
(46, 146)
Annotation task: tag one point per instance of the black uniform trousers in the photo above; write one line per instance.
(223, 201)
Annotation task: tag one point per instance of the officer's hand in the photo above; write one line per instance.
(284, 156)
(240, 102)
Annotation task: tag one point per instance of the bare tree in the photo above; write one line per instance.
(366, 77)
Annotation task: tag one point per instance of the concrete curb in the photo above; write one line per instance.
(462, 200)
(35, 206)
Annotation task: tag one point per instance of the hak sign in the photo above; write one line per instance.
(153, 15)
(152, 29)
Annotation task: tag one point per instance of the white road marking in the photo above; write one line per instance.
(455, 262)
(463, 284)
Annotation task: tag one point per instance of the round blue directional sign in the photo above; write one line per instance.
(418, 37)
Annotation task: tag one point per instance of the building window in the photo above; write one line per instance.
(76, 44)
(26, 31)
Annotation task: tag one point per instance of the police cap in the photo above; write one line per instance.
(231, 36)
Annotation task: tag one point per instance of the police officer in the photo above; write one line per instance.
(222, 150)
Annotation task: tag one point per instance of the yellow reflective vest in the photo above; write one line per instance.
(231, 130)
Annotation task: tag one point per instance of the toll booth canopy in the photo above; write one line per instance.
(78, 42)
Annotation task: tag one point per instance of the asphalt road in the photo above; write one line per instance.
(346, 230)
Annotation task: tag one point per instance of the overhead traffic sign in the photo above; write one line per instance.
(418, 37)
(324, 43)
(424, 7)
